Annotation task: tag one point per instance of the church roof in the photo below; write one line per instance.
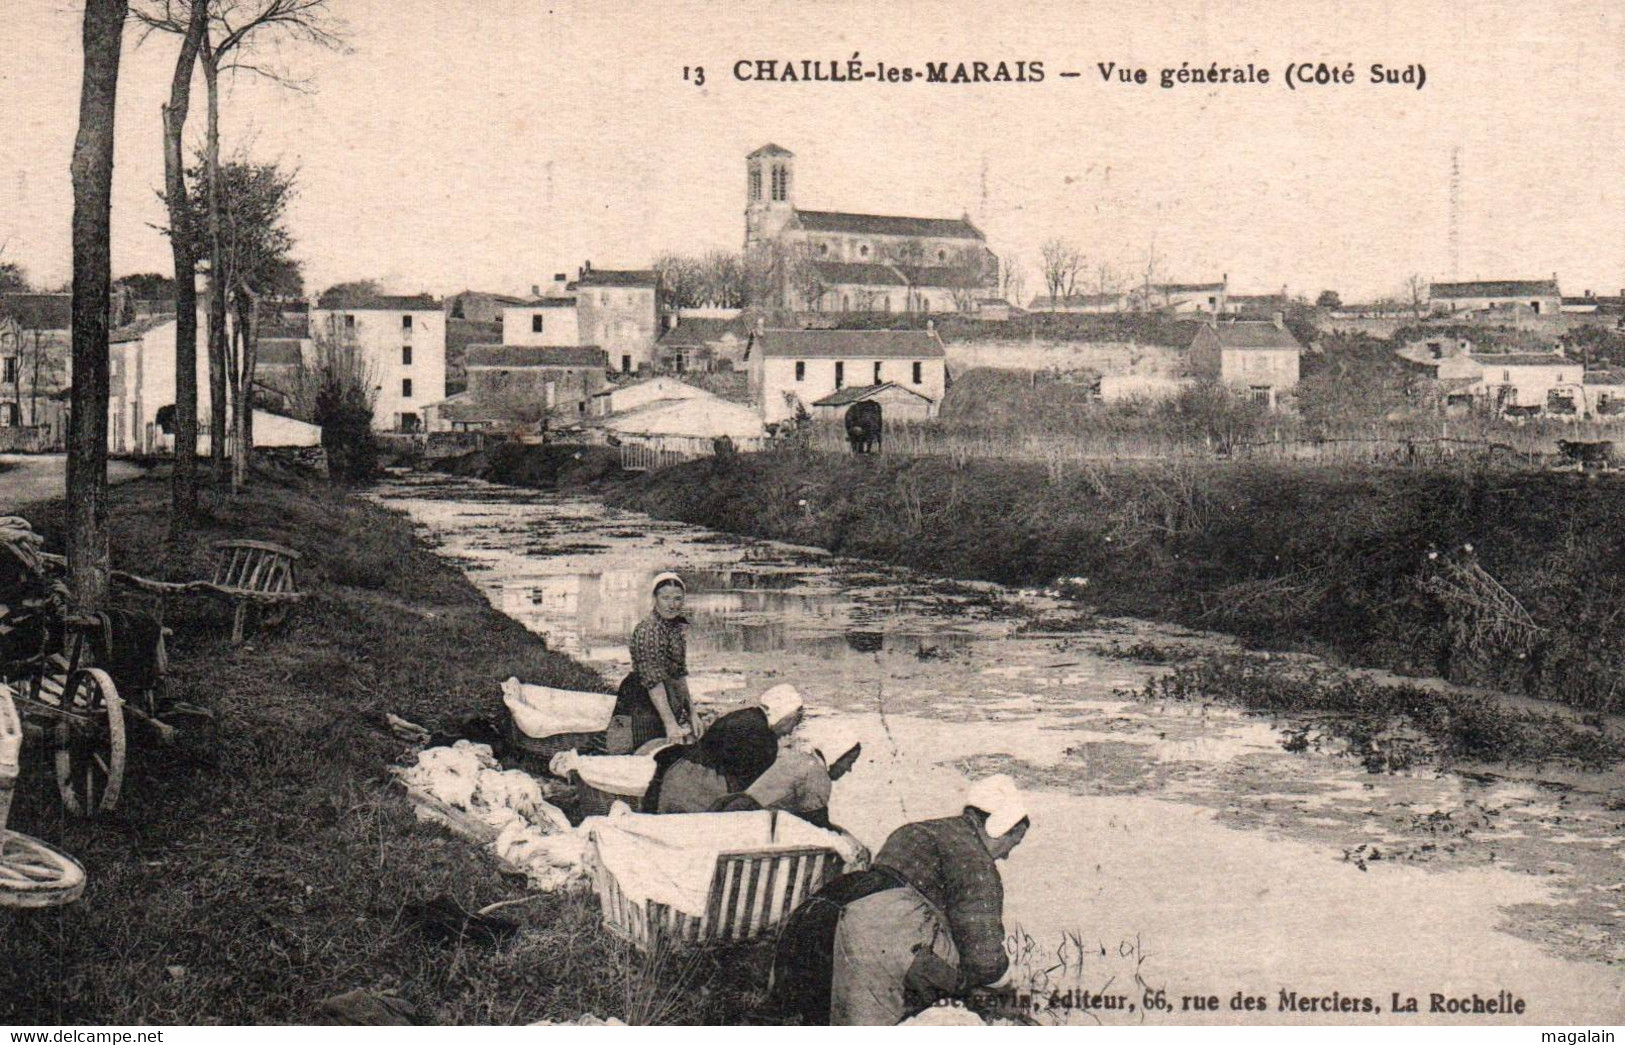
(887, 225)
(535, 356)
(770, 150)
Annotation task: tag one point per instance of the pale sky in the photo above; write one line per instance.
(492, 143)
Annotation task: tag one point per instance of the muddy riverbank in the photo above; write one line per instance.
(1178, 846)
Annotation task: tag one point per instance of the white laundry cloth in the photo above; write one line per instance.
(542, 711)
(549, 861)
(670, 858)
(616, 774)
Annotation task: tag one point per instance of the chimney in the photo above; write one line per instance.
(535, 290)
(1280, 321)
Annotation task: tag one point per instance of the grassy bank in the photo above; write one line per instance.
(1493, 578)
(265, 861)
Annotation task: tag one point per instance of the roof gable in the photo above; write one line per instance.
(887, 225)
(770, 149)
(1258, 336)
(854, 394)
(1520, 359)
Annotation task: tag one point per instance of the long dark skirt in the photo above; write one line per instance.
(633, 702)
(804, 958)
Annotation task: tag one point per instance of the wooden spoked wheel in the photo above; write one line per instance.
(90, 743)
(33, 874)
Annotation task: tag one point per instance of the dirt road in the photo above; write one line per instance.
(38, 477)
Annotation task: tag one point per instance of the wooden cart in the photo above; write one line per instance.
(32, 873)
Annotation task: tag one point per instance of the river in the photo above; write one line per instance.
(1178, 848)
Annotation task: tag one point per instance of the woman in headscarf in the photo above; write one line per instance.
(800, 779)
(653, 700)
(924, 923)
(703, 777)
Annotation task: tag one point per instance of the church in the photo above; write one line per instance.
(832, 261)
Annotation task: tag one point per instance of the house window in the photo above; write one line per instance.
(877, 372)
(406, 322)
(349, 323)
(603, 299)
(801, 370)
(840, 373)
(406, 388)
(885, 304)
(406, 355)
(626, 364)
(942, 255)
(8, 414)
(863, 251)
(10, 377)
(536, 324)
(823, 248)
(919, 372)
(1506, 375)
(678, 363)
(1260, 394)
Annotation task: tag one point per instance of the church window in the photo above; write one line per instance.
(756, 183)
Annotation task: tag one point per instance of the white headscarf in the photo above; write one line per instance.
(780, 702)
(830, 738)
(662, 578)
(1001, 800)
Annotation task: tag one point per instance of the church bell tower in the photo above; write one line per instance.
(769, 182)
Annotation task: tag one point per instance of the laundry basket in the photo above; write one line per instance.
(603, 780)
(542, 721)
(705, 877)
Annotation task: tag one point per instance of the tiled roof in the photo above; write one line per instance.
(1504, 288)
(1522, 359)
(39, 311)
(702, 330)
(849, 344)
(770, 150)
(535, 355)
(617, 278)
(465, 407)
(1254, 335)
(842, 272)
(1184, 288)
(389, 303)
(544, 303)
(279, 351)
(1604, 377)
(851, 394)
(886, 225)
(940, 276)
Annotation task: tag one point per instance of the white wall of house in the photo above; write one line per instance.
(1528, 385)
(1275, 370)
(531, 325)
(386, 342)
(817, 378)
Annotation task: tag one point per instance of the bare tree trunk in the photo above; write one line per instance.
(92, 170)
(243, 373)
(183, 491)
(219, 278)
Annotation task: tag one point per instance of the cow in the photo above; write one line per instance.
(863, 426)
(1582, 454)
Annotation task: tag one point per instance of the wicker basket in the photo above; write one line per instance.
(542, 749)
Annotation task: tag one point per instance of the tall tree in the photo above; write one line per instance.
(92, 171)
(682, 281)
(183, 482)
(723, 274)
(1063, 263)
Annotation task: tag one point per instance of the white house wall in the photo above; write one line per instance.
(379, 336)
(559, 327)
(818, 380)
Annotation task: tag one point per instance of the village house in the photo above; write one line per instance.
(1257, 359)
(1540, 296)
(545, 321)
(619, 311)
(1592, 304)
(1604, 392)
(897, 402)
(1087, 303)
(1209, 299)
(402, 341)
(519, 386)
(702, 343)
(790, 370)
(479, 306)
(641, 393)
(35, 343)
(840, 261)
(1531, 382)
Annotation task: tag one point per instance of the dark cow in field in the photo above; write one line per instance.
(1585, 454)
(863, 425)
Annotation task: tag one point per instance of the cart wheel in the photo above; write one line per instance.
(90, 757)
(33, 874)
